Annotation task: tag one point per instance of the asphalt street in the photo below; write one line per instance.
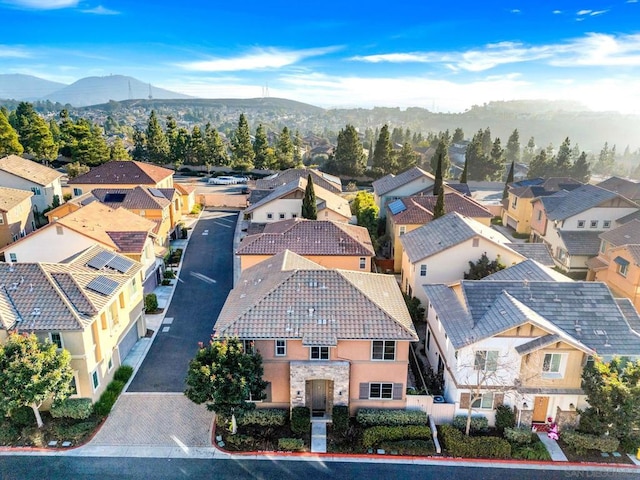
(204, 283)
(79, 468)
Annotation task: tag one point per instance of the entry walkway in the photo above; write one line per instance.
(557, 455)
(318, 436)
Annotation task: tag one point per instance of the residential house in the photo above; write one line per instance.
(407, 214)
(570, 223)
(122, 174)
(414, 181)
(327, 243)
(16, 215)
(440, 251)
(524, 343)
(22, 174)
(91, 305)
(530, 270)
(622, 186)
(187, 197)
(618, 261)
(117, 230)
(326, 336)
(285, 202)
(517, 208)
(320, 179)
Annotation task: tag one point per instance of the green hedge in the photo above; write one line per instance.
(105, 403)
(23, 416)
(459, 445)
(300, 420)
(123, 374)
(521, 436)
(116, 386)
(340, 418)
(77, 408)
(532, 451)
(478, 424)
(264, 417)
(369, 417)
(290, 444)
(150, 302)
(581, 442)
(376, 435)
(409, 447)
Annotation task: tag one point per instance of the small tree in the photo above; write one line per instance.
(309, 207)
(32, 372)
(226, 377)
(483, 267)
(366, 211)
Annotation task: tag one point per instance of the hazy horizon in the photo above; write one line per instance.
(337, 55)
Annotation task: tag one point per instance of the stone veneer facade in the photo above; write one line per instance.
(300, 372)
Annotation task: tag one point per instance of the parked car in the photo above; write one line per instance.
(223, 180)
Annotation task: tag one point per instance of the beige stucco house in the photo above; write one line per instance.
(16, 215)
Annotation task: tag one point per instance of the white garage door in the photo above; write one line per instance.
(128, 341)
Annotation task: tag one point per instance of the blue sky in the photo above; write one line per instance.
(439, 55)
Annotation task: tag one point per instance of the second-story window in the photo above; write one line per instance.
(281, 348)
(249, 346)
(383, 350)
(319, 353)
(486, 360)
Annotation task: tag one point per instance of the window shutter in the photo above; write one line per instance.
(397, 391)
(364, 391)
(498, 399)
(267, 392)
(465, 398)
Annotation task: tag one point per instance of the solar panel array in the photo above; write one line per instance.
(156, 193)
(397, 206)
(120, 264)
(100, 260)
(111, 260)
(103, 285)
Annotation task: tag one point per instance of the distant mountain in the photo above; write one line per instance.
(15, 86)
(96, 90)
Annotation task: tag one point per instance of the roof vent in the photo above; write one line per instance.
(36, 311)
(600, 332)
(290, 310)
(322, 321)
(556, 299)
(311, 310)
(578, 327)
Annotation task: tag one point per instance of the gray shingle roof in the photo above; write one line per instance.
(277, 299)
(535, 251)
(585, 313)
(626, 188)
(324, 180)
(443, 233)
(626, 234)
(537, 343)
(390, 182)
(581, 242)
(527, 270)
(578, 200)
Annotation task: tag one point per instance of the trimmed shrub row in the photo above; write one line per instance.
(77, 408)
(459, 445)
(478, 424)
(123, 374)
(340, 418)
(409, 447)
(108, 398)
(376, 435)
(379, 416)
(290, 444)
(581, 442)
(264, 417)
(521, 436)
(300, 420)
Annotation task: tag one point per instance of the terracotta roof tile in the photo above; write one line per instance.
(138, 198)
(419, 209)
(124, 173)
(10, 197)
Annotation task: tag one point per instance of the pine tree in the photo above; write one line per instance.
(407, 157)
(216, 149)
(437, 184)
(157, 145)
(349, 155)
(540, 165)
(298, 150)
(34, 134)
(241, 147)
(580, 170)
(496, 161)
(562, 167)
(284, 150)
(529, 151)
(442, 157)
(263, 159)
(309, 207)
(458, 136)
(439, 209)
(381, 162)
(139, 152)
(465, 171)
(486, 141)
(117, 151)
(9, 142)
(513, 147)
(197, 151)
(505, 192)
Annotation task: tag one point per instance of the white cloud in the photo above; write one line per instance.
(515, 10)
(100, 10)
(583, 12)
(411, 57)
(7, 51)
(598, 12)
(42, 4)
(600, 50)
(557, 12)
(259, 59)
(632, 1)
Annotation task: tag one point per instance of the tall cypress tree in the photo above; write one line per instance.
(465, 171)
(241, 146)
(438, 211)
(309, 207)
(157, 144)
(437, 184)
(505, 192)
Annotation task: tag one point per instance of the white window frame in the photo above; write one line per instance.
(385, 391)
(110, 364)
(282, 216)
(423, 270)
(59, 345)
(402, 230)
(623, 270)
(77, 192)
(363, 263)
(581, 223)
(280, 348)
(74, 382)
(486, 360)
(95, 379)
(249, 346)
(269, 216)
(548, 369)
(36, 190)
(514, 203)
(383, 354)
(13, 258)
(485, 402)
(319, 352)
(593, 224)
(606, 224)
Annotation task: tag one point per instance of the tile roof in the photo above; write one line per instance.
(33, 171)
(129, 242)
(578, 200)
(536, 251)
(138, 198)
(123, 172)
(625, 187)
(627, 218)
(583, 313)
(99, 222)
(527, 270)
(11, 197)
(537, 343)
(184, 189)
(461, 188)
(390, 182)
(324, 180)
(256, 195)
(543, 188)
(309, 237)
(634, 250)
(55, 296)
(419, 209)
(628, 233)
(324, 198)
(443, 233)
(294, 298)
(580, 242)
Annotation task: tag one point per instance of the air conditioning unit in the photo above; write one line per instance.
(438, 399)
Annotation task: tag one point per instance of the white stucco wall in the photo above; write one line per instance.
(48, 244)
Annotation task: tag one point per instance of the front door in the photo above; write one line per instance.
(318, 397)
(541, 404)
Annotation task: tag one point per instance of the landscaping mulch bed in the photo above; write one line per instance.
(594, 456)
(59, 430)
(251, 438)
